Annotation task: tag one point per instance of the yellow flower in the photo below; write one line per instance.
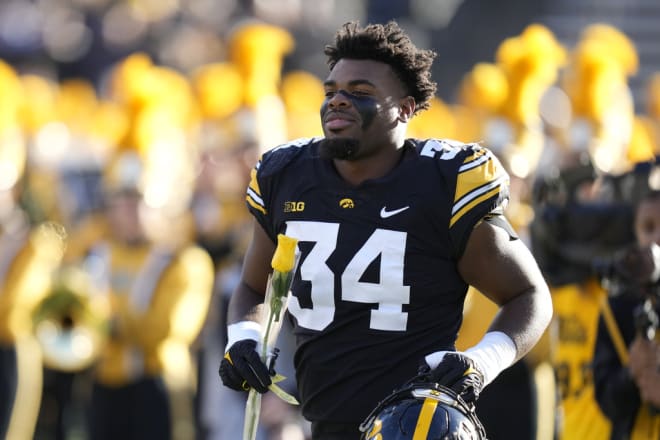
(284, 257)
(283, 264)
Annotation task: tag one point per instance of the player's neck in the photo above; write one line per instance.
(372, 167)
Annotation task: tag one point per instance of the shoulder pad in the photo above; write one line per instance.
(444, 149)
(477, 182)
(276, 159)
(479, 177)
(269, 164)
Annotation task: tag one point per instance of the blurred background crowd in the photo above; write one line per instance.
(128, 129)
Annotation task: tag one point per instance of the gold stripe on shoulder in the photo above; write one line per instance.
(255, 205)
(457, 216)
(254, 184)
(476, 154)
(476, 172)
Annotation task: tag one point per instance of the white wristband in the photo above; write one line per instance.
(242, 330)
(492, 355)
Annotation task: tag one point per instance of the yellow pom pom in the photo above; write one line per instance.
(219, 89)
(620, 47)
(484, 87)
(284, 257)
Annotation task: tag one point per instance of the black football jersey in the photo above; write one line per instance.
(377, 286)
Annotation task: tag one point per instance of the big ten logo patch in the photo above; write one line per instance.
(294, 206)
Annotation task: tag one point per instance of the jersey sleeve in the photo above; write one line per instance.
(480, 187)
(264, 178)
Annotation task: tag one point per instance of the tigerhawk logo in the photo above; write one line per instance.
(294, 206)
(346, 203)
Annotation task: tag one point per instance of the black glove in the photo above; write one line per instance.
(242, 369)
(458, 372)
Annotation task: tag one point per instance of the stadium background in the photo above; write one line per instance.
(83, 38)
(84, 83)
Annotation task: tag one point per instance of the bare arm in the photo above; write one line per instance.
(248, 297)
(506, 272)
(242, 367)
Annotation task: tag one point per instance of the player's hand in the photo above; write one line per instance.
(643, 357)
(458, 372)
(242, 369)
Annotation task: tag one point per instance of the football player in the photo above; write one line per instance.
(391, 233)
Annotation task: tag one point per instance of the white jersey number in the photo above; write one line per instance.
(389, 293)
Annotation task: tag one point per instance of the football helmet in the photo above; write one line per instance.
(423, 411)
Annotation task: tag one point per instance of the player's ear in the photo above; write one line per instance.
(406, 108)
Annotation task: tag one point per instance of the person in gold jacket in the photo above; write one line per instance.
(30, 252)
(577, 309)
(159, 292)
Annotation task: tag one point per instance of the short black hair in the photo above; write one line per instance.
(387, 43)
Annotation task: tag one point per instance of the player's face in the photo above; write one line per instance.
(647, 222)
(362, 108)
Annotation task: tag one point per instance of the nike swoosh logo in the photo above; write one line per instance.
(384, 213)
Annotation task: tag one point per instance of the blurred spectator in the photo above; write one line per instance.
(627, 352)
(578, 217)
(159, 287)
(30, 252)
